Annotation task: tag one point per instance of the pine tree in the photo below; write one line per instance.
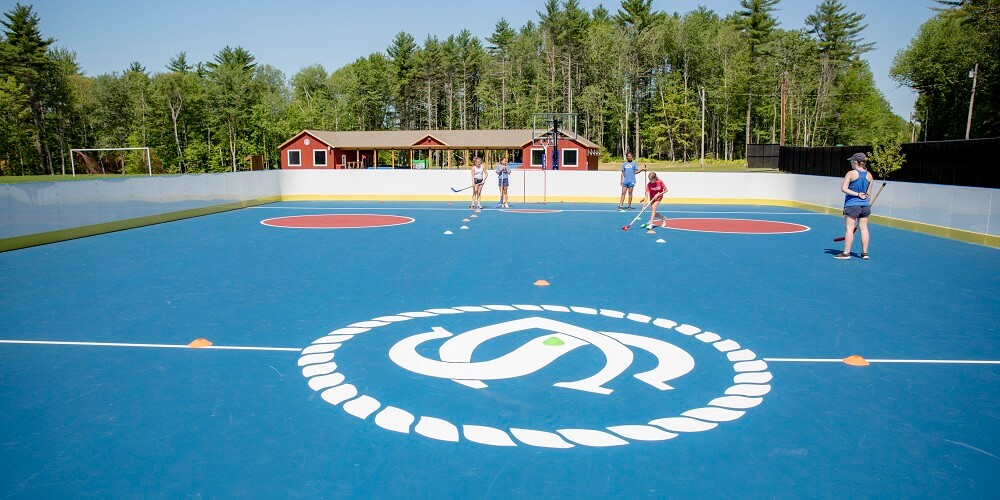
(502, 37)
(231, 74)
(401, 52)
(24, 56)
(838, 32)
(757, 25)
(635, 18)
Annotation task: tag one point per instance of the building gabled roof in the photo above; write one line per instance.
(437, 141)
(404, 139)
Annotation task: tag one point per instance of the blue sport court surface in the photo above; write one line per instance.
(400, 361)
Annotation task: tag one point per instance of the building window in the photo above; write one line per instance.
(569, 158)
(319, 157)
(537, 157)
(294, 158)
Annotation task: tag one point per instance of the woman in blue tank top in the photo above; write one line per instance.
(856, 188)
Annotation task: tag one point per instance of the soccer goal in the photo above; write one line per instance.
(96, 164)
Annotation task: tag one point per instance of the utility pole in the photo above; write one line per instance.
(703, 128)
(972, 74)
(784, 86)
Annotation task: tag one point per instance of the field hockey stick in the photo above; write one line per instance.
(625, 228)
(460, 190)
(872, 204)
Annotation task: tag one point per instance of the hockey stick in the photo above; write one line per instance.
(460, 190)
(872, 204)
(625, 228)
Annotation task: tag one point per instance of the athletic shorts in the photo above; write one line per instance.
(858, 211)
(504, 183)
(628, 184)
(479, 181)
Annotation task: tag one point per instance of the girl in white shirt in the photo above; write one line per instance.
(479, 175)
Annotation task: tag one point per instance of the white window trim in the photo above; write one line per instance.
(562, 153)
(289, 158)
(325, 159)
(531, 157)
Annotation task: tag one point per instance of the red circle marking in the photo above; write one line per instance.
(336, 221)
(531, 210)
(735, 226)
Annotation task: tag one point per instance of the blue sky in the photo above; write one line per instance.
(107, 35)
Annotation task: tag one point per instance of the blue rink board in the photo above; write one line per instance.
(141, 421)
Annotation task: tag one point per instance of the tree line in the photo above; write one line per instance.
(639, 79)
(964, 36)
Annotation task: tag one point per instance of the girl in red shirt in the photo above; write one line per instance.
(655, 189)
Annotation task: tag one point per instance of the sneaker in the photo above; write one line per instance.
(506, 205)
(864, 255)
(643, 225)
(480, 207)
(498, 205)
(620, 209)
(629, 208)
(842, 256)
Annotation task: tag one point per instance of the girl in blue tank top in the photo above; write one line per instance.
(856, 188)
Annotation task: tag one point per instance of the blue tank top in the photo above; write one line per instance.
(859, 185)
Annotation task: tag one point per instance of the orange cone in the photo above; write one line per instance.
(856, 361)
(541, 283)
(199, 343)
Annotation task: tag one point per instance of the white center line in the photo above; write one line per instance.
(932, 361)
(298, 349)
(530, 207)
(161, 346)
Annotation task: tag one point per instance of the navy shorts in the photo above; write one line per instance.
(858, 211)
(504, 183)
(479, 181)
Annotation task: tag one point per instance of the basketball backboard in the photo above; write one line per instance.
(543, 126)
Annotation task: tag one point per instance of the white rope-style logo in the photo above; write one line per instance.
(455, 355)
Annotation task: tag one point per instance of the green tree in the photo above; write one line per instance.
(428, 65)
(24, 56)
(636, 20)
(501, 40)
(937, 62)
(838, 36)
(756, 22)
(233, 94)
(178, 92)
(886, 156)
(15, 113)
(838, 31)
(401, 53)
(61, 102)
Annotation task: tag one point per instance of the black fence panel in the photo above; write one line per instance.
(763, 155)
(960, 163)
(829, 161)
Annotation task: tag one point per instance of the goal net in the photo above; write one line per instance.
(112, 161)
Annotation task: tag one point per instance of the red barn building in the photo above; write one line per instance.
(317, 149)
